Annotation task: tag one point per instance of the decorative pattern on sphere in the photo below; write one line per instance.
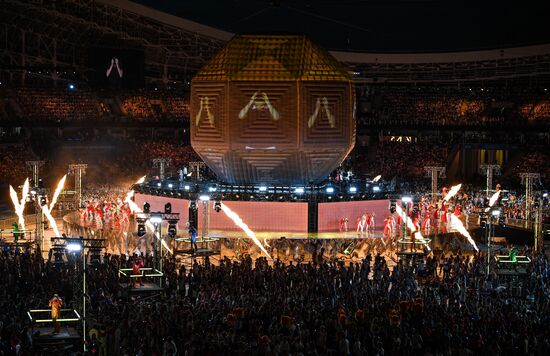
(272, 109)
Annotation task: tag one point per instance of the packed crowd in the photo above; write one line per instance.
(437, 106)
(406, 159)
(58, 105)
(532, 159)
(441, 305)
(13, 158)
(64, 105)
(380, 105)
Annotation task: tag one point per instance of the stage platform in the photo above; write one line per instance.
(44, 333)
(200, 252)
(275, 235)
(147, 288)
(50, 343)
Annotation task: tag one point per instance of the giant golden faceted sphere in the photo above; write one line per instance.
(272, 109)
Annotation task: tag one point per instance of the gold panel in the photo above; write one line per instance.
(272, 58)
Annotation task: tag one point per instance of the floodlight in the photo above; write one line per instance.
(73, 246)
(156, 219)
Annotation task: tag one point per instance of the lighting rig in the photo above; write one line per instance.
(77, 254)
(155, 220)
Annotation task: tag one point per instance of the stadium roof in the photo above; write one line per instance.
(373, 25)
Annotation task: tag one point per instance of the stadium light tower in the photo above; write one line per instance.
(434, 172)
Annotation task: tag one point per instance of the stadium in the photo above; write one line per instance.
(274, 177)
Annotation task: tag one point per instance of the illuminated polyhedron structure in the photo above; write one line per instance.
(273, 109)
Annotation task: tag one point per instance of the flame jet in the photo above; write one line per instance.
(457, 224)
(48, 209)
(240, 223)
(452, 192)
(134, 208)
(19, 206)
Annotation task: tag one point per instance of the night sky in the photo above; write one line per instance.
(388, 26)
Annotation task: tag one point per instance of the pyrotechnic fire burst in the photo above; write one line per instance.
(134, 208)
(417, 234)
(240, 223)
(494, 198)
(48, 210)
(452, 192)
(20, 205)
(457, 224)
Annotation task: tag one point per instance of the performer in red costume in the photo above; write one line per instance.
(138, 263)
(443, 213)
(458, 210)
(426, 223)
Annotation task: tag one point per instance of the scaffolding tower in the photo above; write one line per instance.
(161, 163)
(489, 170)
(78, 169)
(434, 172)
(528, 179)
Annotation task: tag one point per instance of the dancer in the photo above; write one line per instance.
(361, 225)
(55, 304)
(388, 227)
(370, 222)
(344, 224)
(138, 264)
